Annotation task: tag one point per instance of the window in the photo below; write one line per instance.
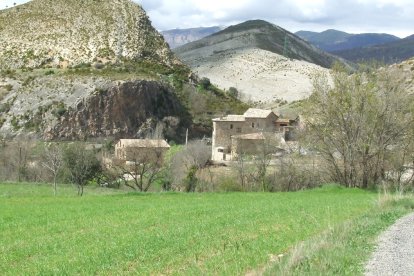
(231, 126)
(252, 125)
(238, 130)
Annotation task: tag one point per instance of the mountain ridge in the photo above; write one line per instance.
(388, 53)
(266, 36)
(332, 40)
(263, 61)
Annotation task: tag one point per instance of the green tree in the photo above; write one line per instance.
(81, 164)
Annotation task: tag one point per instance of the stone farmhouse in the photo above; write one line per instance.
(246, 133)
(140, 150)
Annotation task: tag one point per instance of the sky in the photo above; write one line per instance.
(354, 16)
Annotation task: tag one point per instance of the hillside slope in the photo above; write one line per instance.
(264, 62)
(256, 34)
(71, 32)
(179, 37)
(333, 40)
(81, 69)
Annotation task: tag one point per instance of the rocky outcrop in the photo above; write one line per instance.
(61, 33)
(127, 110)
(179, 37)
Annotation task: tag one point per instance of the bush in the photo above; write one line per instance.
(8, 87)
(205, 83)
(230, 184)
(233, 92)
(49, 72)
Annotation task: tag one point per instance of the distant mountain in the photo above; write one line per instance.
(393, 52)
(333, 40)
(262, 60)
(179, 37)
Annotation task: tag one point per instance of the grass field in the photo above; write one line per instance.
(109, 232)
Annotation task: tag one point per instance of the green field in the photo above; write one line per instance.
(110, 232)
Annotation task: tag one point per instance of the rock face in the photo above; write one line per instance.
(122, 111)
(179, 37)
(63, 33)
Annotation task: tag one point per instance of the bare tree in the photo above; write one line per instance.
(356, 122)
(53, 162)
(17, 160)
(143, 169)
(187, 162)
(261, 163)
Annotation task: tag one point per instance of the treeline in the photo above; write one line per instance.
(183, 168)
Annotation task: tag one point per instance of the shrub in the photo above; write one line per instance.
(205, 83)
(59, 112)
(49, 72)
(99, 65)
(8, 87)
(233, 92)
(230, 184)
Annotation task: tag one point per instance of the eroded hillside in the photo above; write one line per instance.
(63, 33)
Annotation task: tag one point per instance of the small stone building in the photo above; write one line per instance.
(247, 131)
(141, 150)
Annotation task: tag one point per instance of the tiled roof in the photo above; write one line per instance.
(257, 113)
(143, 143)
(231, 118)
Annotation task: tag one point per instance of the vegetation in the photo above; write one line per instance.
(230, 233)
(362, 127)
(344, 248)
(81, 164)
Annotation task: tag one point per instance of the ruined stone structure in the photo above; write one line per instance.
(247, 132)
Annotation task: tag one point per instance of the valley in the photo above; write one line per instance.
(239, 150)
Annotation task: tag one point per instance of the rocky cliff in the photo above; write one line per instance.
(129, 109)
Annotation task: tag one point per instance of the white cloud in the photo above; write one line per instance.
(391, 16)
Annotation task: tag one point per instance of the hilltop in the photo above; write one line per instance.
(257, 34)
(263, 61)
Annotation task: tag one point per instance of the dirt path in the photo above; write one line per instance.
(395, 252)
